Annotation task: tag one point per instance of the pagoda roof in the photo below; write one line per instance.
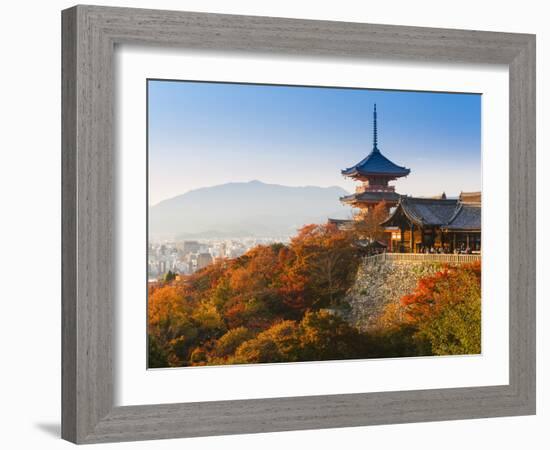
(340, 221)
(376, 164)
(371, 196)
(449, 214)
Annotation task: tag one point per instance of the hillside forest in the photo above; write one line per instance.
(287, 303)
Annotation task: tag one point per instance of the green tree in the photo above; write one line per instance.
(324, 336)
(456, 330)
(169, 276)
(445, 308)
(157, 356)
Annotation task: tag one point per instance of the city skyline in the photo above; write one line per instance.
(300, 136)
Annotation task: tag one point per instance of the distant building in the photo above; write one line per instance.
(203, 259)
(161, 267)
(374, 172)
(190, 247)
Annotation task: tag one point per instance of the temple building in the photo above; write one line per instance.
(374, 173)
(423, 224)
(412, 224)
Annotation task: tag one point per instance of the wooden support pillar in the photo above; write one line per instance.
(402, 243)
(412, 238)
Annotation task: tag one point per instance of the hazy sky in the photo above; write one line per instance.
(204, 134)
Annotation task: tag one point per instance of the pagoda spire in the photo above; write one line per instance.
(375, 132)
(375, 165)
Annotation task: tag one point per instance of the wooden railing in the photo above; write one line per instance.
(422, 257)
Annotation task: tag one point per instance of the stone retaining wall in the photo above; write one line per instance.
(381, 283)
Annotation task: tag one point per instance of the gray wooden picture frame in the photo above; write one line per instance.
(90, 34)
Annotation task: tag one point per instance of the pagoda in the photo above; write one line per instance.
(374, 173)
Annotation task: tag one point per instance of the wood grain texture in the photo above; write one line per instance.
(68, 226)
(89, 36)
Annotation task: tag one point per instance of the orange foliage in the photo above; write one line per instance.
(441, 317)
(267, 286)
(325, 264)
(270, 305)
(436, 292)
(367, 223)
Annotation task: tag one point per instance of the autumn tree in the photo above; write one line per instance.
(171, 330)
(318, 336)
(208, 320)
(446, 308)
(178, 322)
(230, 341)
(269, 305)
(444, 312)
(367, 222)
(325, 336)
(254, 282)
(277, 344)
(327, 259)
(169, 316)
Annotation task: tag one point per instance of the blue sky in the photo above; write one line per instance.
(204, 134)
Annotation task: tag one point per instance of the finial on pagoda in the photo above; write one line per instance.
(375, 134)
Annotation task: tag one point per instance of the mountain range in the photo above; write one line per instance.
(247, 209)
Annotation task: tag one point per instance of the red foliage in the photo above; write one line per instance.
(435, 292)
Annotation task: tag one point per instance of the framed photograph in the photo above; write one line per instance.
(278, 224)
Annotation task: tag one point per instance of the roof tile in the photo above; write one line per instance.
(376, 164)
